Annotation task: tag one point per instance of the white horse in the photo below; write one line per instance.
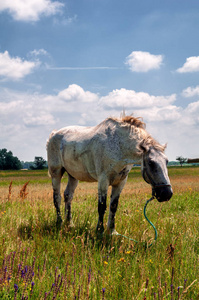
(105, 153)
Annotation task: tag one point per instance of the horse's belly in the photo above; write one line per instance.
(80, 172)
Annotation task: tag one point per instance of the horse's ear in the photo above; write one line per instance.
(165, 146)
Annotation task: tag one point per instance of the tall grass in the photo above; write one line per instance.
(37, 261)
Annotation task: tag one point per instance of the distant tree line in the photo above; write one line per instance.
(10, 162)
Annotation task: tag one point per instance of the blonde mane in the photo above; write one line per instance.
(136, 124)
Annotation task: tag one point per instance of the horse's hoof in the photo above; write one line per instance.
(100, 231)
(113, 232)
(59, 223)
(70, 224)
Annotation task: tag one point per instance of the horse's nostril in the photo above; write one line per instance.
(164, 193)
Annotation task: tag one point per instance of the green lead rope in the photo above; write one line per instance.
(156, 234)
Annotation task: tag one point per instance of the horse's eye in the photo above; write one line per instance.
(151, 164)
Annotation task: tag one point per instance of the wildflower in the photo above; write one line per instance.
(128, 252)
(103, 291)
(105, 262)
(32, 285)
(16, 287)
(121, 259)
(23, 193)
(22, 274)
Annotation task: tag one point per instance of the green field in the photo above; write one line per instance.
(37, 261)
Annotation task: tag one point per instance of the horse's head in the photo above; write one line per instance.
(154, 172)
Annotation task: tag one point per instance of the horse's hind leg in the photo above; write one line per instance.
(102, 196)
(68, 196)
(56, 183)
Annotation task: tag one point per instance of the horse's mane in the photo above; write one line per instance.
(136, 124)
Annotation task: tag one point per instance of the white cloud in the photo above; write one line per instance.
(30, 10)
(38, 118)
(76, 93)
(38, 52)
(191, 92)
(192, 111)
(65, 21)
(26, 119)
(139, 61)
(191, 65)
(15, 68)
(129, 99)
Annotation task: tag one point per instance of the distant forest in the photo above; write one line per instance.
(10, 162)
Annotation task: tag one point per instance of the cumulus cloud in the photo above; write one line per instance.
(26, 119)
(129, 99)
(192, 111)
(191, 92)
(76, 93)
(15, 68)
(139, 61)
(30, 10)
(191, 65)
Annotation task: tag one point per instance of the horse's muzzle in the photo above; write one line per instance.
(163, 193)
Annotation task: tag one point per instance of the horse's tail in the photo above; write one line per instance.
(50, 136)
(47, 145)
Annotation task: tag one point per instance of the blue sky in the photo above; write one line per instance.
(78, 62)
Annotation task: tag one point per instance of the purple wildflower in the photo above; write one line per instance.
(22, 274)
(16, 287)
(185, 281)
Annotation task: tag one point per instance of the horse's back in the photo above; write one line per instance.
(70, 147)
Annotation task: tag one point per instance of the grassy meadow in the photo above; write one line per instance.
(37, 261)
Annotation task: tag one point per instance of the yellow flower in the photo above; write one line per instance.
(105, 262)
(121, 259)
(150, 261)
(128, 252)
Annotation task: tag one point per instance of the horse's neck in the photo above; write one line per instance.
(129, 145)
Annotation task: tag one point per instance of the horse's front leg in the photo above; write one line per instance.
(116, 190)
(102, 196)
